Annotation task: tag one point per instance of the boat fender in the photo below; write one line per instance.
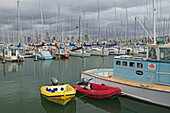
(68, 52)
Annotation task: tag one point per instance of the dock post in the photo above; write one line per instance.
(132, 50)
(128, 51)
(59, 57)
(3, 59)
(119, 51)
(103, 52)
(82, 52)
(35, 59)
(144, 50)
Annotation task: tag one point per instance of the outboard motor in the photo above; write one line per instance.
(54, 81)
(84, 81)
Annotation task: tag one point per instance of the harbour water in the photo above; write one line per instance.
(20, 88)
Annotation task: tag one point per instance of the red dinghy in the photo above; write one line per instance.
(98, 91)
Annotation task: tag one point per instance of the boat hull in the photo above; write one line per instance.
(44, 58)
(99, 91)
(63, 55)
(60, 94)
(152, 95)
(59, 100)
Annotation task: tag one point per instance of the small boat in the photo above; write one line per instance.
(63, 54)
(12, 55)
(60, 94)
(43, 55)
(97, 91)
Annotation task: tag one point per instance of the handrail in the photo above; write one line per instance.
(154, 75)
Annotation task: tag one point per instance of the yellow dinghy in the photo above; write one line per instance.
(60, 94)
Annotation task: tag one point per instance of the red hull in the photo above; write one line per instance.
(98, 91)
(63, 55)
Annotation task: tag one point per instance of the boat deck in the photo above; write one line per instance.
(107, 76)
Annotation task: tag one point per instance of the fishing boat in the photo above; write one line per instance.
(96, 90)
(146, 79)
(58, 93)
(43, 55)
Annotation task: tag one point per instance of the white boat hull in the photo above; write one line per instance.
(99, 53)
(86, 54)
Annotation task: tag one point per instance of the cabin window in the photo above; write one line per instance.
(165, 53)
(139, 65)
(118, 63)
(132, 64)
(13, 52)
(124, 63)
(152, 53)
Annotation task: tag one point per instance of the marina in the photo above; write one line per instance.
(94, 57)
(21, 87)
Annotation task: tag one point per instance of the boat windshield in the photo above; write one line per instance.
(165, 53)
(152, 53)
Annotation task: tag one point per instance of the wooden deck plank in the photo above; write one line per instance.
(129, 82)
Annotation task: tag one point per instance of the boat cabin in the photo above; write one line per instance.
(155, 68)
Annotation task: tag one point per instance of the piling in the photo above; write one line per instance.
(3, 59)
(118, 50)
(59, 57)
(82, 52)
(132, 50)
(35, 59)
(128, 51)
(103, 52)
(144, 50)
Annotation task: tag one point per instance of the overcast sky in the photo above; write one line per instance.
(70, 10)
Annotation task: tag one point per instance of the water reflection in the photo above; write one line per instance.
(133, 106)
(13, 67)
(111, 105)
(4, 71)
(51, 107)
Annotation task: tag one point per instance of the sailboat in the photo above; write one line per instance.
(146, 79)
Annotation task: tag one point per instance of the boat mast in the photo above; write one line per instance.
(33, 30)
(154, 28)
(8, 31)
(18, 21)
(56, 36)
(98, 37)
(59, 36)
(42, 22)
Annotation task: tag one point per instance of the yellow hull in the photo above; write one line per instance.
(58, 100)
(60, 94)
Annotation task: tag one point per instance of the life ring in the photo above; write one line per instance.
(68, 52)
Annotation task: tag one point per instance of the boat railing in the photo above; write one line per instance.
(103, 72)
(154, 76)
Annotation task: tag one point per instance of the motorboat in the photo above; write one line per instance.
(97, 90)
